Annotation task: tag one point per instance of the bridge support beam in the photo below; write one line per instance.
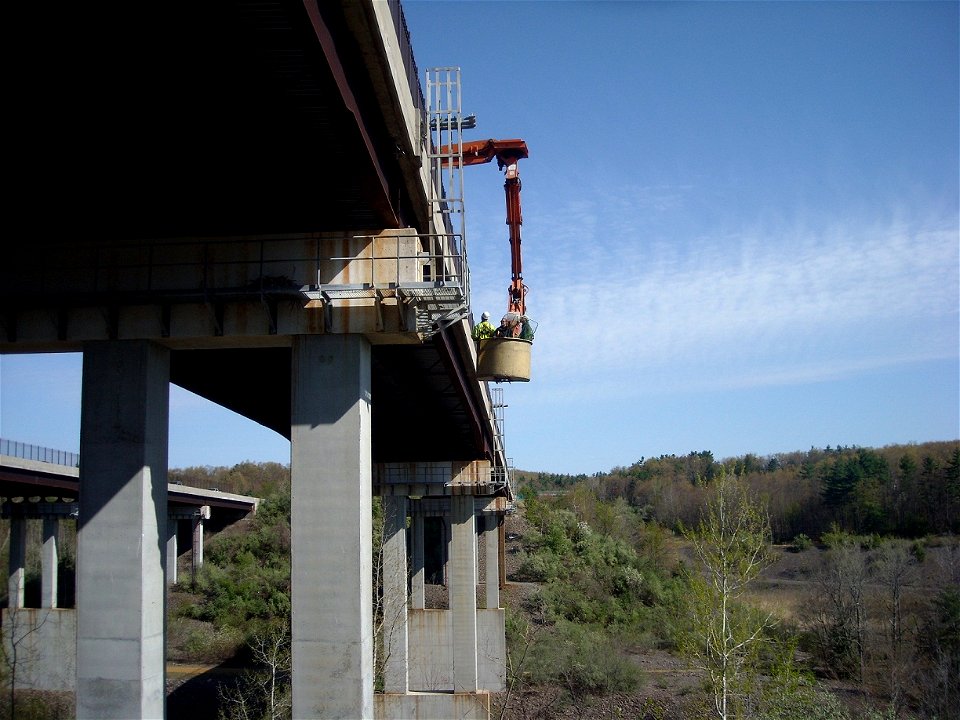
(331, 544)
(418, 599)
(48, 563)
(446, 650)
(396, 675)
(122, 531)
(491, 549)
(16, 580)
(197, 560)
(173, 525)
(463, 593)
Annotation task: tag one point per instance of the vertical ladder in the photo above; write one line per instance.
(445, 123)
(501, 475)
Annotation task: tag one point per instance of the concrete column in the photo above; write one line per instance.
(49, 560)
(396, 668)
(122, 531)
(197, 556)
(331, 544)
(478, 541)
(463, 592)
(448, 549)
(16, 580)
(172, 526)
(418, 596)
(502, 544)
(491, 547)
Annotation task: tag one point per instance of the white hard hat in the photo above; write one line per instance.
(485, 316)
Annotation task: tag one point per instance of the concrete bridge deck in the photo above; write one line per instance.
(22, 478)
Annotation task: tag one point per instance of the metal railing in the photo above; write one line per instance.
(443, 266)
(26, 451)
(406, 52)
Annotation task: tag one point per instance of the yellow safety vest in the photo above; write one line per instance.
(483, 331)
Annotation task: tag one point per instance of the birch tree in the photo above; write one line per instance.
(733, 544)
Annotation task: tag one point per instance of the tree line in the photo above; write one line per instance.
(903, 490)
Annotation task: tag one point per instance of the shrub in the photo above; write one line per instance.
(213, 645)
(584, 661)
(541, 567)
(245, 580)
(802, 542)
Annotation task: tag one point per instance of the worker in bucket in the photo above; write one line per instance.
(484, 328)
(527, 328)
(509, 325)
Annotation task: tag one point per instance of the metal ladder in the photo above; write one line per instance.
(445, 123)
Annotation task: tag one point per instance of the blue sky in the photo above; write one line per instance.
(741, 231)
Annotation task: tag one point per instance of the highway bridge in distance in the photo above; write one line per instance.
(250, 200)
(44, 485)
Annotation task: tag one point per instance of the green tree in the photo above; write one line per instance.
(733, 543)
(940, 644)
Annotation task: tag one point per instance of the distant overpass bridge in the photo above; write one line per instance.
(43, 484)
(248, 199)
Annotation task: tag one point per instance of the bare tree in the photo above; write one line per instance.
(839, 608)
(894, 568)
(263, 693)
(390, 580)
(16, 647)
(522, 642)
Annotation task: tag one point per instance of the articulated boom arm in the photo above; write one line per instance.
(508, 153)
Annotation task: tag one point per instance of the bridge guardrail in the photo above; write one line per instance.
(27, 451)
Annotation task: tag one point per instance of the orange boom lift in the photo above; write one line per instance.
(507, 153)
(505, 358)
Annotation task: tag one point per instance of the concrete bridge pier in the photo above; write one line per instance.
(195, 516)
(396, 663)
(203, 513)
(463, 593)
(440, 662)
(173, 525)
(122, 531)
(418, 574)
(331, 526)
(49, 555)
(49, 559)
(491, 551)
(16, 579)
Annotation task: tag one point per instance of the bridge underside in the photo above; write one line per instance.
(186, 118)
(413, 396)
(232, 118)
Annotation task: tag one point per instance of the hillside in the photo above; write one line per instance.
(600, 579)
(669, 689)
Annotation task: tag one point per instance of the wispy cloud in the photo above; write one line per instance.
(622, 304)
